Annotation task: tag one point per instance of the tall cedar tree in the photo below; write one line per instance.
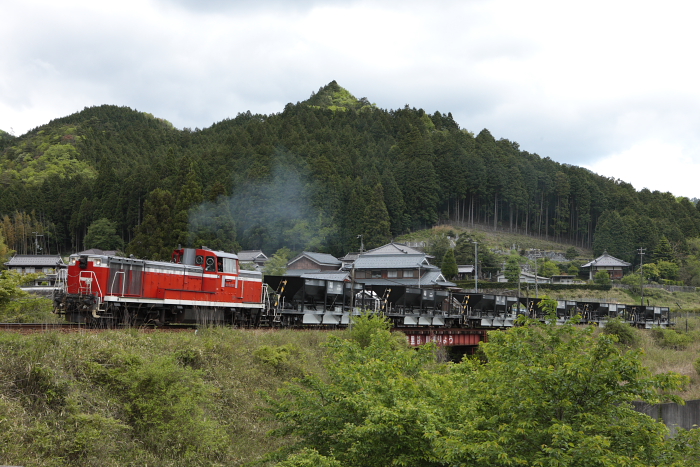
(449, 265)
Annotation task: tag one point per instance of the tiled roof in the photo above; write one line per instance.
(394, 249)
(339, 276)
(434, 277)
(251, 255)
(319, 258)
(392, 262)
(34, 260)
(428, 279)
(301, 272)
(605, 260)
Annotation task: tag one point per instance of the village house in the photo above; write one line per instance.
(46, 265)
(310, 261)
(613, 266)
(254, 257)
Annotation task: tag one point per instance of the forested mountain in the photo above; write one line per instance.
(314, 176)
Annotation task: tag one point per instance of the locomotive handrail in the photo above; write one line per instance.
(114, 279)
(92, 277)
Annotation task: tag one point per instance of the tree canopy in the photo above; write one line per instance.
(318, 174)
(540, 394)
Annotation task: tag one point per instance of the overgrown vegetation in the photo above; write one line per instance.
(18, 306)
(136, 398)
(539, 395)
(130, 398)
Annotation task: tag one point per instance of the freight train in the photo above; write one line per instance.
(205, 287)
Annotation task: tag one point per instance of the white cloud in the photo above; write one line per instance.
(655, 165)
(568, 80)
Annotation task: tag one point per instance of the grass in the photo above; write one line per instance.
(136, 398)
(660, 359)
(132, 398)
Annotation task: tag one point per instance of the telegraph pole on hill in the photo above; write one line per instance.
(641, 270)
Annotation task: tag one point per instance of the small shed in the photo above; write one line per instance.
(526, 278)
(564, 279)
(465, 271)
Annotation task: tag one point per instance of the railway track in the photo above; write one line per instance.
(33, 328)
(416, 336)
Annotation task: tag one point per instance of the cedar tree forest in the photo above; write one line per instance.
(312, 177)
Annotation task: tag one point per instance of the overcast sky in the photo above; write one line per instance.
(609, 85)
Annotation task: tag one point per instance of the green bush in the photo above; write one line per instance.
(282, 358)
(366, 325)
(601, 278)
(671, 339)
(625, 333)
(92, 438)
(133, 398)
(276, 355)
(166, 407)
(190, 357)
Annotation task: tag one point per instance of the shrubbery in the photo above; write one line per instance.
(625, 333)
(132, 398)
(671, 339)
(540, 395)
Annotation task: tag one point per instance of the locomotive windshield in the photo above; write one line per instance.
(227, 265)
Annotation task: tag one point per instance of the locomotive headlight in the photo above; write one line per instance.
(72, 262)
(98, 262)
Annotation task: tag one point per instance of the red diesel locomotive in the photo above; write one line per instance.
(198, 286)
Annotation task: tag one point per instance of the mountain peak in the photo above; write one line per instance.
(335, 97)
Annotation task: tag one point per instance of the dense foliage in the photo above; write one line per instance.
(536, 395)
(314, 176)
(543, 395)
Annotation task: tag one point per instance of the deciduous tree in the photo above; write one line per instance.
(541, 394)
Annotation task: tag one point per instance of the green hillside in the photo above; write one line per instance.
(313, 177)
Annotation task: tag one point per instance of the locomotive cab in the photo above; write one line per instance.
(209, 260)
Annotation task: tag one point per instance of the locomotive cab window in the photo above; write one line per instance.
(229, 265)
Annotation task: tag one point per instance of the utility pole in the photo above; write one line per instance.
(520, 274)
(362, 243)
(37, 248)
(536, 291)
(641, 271)
(476, 265)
